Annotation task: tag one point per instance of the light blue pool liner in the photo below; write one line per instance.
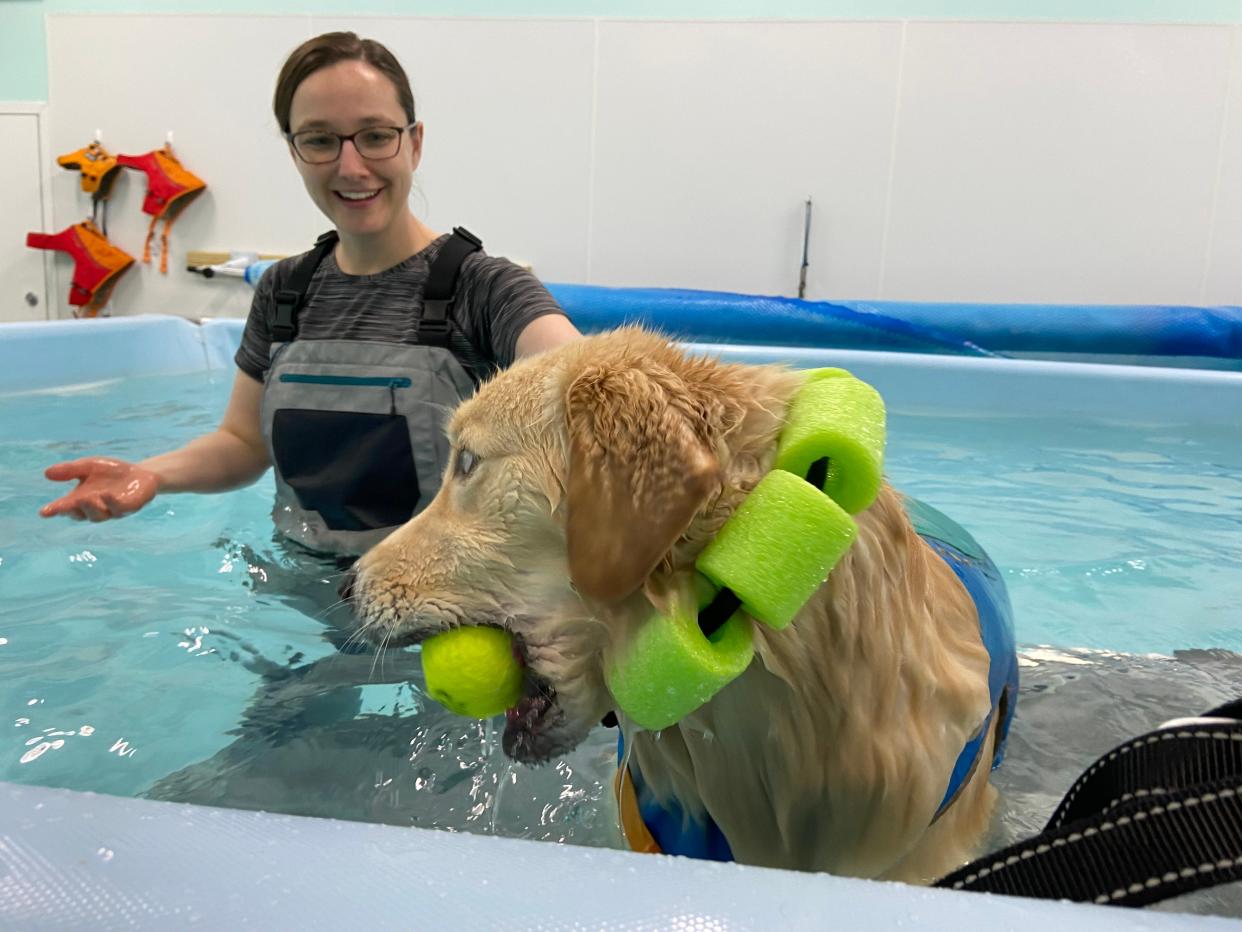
(81, 861)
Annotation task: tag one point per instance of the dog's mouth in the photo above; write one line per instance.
(532, 725)
(537, 728)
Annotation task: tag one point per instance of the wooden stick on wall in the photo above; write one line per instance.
(199, 258)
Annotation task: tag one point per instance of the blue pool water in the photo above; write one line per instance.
(180, 653)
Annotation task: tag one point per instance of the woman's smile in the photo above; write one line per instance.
(358, 199)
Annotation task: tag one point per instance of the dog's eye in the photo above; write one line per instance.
(466, 462)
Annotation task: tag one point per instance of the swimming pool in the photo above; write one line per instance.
(177, 654)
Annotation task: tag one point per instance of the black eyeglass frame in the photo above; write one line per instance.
(401, 131)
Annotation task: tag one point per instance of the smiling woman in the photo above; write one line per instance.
(346, 120)
(355, 351)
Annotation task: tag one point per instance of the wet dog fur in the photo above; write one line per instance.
(583, 483)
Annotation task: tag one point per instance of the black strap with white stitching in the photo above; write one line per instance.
(1156, 817)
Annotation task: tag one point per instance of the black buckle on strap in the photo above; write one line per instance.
(286, 307)
(434, 331)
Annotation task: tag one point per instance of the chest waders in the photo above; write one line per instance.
(355, 428)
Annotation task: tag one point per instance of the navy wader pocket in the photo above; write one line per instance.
(356, 432)
(355, 469)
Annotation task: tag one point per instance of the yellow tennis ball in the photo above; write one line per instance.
(472, 671)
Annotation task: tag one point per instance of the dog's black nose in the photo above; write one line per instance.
(346, 589)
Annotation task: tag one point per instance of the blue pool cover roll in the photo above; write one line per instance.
(949, 328)
(1159, 331)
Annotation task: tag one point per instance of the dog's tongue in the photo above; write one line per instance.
(515, 713)
(528, 709)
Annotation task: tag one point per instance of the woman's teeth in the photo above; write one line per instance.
(357, 195)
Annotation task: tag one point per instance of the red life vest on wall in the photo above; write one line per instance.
(170, 187)
(97, 264)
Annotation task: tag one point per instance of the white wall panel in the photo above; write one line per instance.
(711, 136)
(1055, 163)
(507, 107)
(970, 161)
(208, 79)
(1223, 281)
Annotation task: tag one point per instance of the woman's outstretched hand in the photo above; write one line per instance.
(107, 488)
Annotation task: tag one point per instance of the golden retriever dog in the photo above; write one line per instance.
(582, 485)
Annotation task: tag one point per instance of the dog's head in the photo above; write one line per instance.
(581, 480)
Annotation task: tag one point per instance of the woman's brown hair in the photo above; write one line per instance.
(328, 49)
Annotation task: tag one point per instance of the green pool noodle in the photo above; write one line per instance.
(840, 417)
(472, 670)
(778, 547)
(670, 668)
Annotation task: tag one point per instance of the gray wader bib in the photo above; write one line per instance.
(355, 429)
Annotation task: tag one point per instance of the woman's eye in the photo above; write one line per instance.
(466, 462)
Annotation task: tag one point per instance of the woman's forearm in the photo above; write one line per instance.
(215, 462)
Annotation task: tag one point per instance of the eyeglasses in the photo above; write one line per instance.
(319, 146)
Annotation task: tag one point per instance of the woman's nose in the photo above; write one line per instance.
(350, 162)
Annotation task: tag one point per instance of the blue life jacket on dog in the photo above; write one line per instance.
(674, 833)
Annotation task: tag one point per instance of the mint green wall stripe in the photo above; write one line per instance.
(23, 51)
(1178, 11)
(23, 55)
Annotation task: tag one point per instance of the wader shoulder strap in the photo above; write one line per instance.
(433, 328)
(290, 298)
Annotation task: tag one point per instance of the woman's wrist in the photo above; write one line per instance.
(152, 468)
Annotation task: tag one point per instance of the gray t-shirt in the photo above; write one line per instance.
(494, 302)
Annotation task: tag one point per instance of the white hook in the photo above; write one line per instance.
(168, 137)
(99, 135)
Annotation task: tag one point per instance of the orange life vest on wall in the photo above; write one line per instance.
(97, 264)
(170, 187)
(98, 166)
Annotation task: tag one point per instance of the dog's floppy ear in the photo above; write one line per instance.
(638, 473)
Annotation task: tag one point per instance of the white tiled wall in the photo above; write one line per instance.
(1055, 162)
(710, 137)
(209, 80)
(507, 108)
(1223, 266)
(947, 161)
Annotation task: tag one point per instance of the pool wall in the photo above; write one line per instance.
(49, 355)
(81, 861)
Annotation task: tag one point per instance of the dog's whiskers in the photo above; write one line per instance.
(383, 651)
(356, 637)
(379, 655)
(322, 614)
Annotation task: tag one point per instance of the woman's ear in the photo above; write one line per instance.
(638, 473)
(416, 145)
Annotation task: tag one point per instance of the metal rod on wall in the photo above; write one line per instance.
(806, 247)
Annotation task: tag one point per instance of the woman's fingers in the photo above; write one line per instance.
(78, 469)
(95, 510)
(107, 488)
(65, 505)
